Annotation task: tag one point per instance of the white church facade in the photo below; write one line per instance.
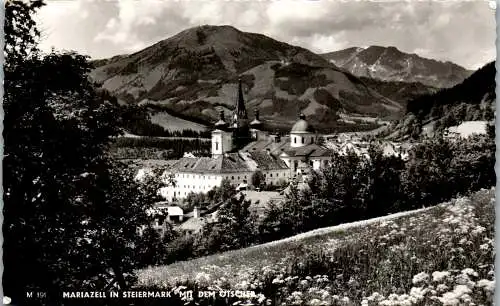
(240, 148)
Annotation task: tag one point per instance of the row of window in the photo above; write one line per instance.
(213, 177)
(203, 176)
(277, 174)
(208, 177)
(199, 186)
(303, 139)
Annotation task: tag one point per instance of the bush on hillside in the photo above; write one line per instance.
(234, 228)
(354, 188)
(351, 188)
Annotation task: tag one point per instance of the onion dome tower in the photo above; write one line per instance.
(222, 139)
(255, 125)
(256, 122)
(221, 124)
(302, 133)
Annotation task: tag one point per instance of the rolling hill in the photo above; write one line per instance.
(391, 64)
(194, 74)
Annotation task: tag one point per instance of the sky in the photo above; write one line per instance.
(459, 31)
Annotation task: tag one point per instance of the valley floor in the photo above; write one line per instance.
(441, 255)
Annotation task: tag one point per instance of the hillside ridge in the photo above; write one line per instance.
(194, 74)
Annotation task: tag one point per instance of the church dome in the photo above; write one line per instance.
(221, 123)
(302, 126)
(256, 122)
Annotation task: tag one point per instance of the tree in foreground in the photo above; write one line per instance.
(234, 226)
(70, 215)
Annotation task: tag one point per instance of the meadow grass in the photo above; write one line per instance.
(442, 255)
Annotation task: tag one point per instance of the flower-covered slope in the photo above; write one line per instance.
(442, 255)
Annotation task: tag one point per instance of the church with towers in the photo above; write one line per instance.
(240, 148)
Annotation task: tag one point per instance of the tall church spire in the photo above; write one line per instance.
(241, 111)
(241, 130)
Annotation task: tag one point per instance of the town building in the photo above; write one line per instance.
(361, 148)
(164, 216)
(466, 129)
(240, 148)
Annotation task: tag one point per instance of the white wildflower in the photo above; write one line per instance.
(454, 297)
(202, 277)
(486, 285)
(375, 297)
(314, 302)
(441, 288)
(418, 293)
(260, 298)
(484, 247)
(469, 272)
(438, 276)
(463, 279)
(420, 278)
(478, 230)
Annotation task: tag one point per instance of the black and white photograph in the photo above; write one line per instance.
(249, 152)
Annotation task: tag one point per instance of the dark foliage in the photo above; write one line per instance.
(353, 188)
(234, 228)
(471, 91)
(172, 148)
(70, 213)
(257, 179)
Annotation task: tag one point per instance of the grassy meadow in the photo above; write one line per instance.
(441, 255)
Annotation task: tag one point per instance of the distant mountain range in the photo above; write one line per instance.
(194, 74)
(391, 64)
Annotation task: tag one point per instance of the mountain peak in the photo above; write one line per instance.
(209, 29)
(205, 35)
(392, 48)
(391, 64)
(213, 46)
